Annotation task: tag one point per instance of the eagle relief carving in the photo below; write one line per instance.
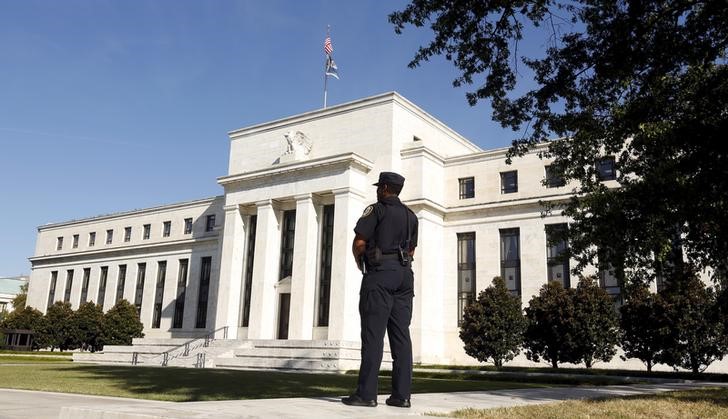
(298, 146)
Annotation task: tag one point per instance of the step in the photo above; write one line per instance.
(303, 353)
(289, 364)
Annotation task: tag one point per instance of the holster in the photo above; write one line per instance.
(373, 256)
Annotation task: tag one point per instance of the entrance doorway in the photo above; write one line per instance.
(283, 314)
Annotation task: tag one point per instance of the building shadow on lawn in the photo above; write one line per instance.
(186, 384)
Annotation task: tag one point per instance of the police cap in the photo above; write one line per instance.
(390, 178)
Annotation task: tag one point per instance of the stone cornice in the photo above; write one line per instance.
(132, 213)
(132, 249)
(422, 151)
(495, 154)
(351, 160)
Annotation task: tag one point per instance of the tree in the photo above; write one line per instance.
(646, 82)
(27, 318)
(493, 325)
(87, 326)
(696, 336)
(121, 324)
(597, 325)
(58, 329)
(19, 300)
(551, 330)
(644, 326)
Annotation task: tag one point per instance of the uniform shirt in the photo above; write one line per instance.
(384, 224)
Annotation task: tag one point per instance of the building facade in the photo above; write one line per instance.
(10, 287)
(271, 259)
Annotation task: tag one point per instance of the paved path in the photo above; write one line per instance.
(18, 404)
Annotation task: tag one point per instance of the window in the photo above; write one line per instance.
(84, 284)
(147, 230)
(466, 272)
(92, 239)
(3, 306)
(159, 294)
(509, 182)
(511, 259)
(556, 260)
(59, 243)
(606, 169)
(166, 228)
(139, 295)
(102, 286)
(75, 241)
(250, 255)
(179, 303)
(188, 225)
(52, 289)
(120, 283)
(69, 285)
(205, 267)
(467, 187)
(109, 236)
(288, 233)
(327, 241)
(127, 234)
(554, 179)
(210, 223)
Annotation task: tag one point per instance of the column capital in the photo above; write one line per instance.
(264, 203)
(339, 192)
(231, 208)
(303, 197)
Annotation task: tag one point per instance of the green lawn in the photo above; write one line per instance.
(703, 403)
(24, 359)
(186, 384)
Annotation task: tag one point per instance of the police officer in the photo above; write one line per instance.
(385, 241)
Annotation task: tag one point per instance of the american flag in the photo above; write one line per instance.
(328, 49)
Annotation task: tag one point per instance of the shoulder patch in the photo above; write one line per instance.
(367, 211)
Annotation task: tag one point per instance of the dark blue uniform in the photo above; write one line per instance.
(385, 299)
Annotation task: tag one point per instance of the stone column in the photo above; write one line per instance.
(428, 312)
(229, 283)
(345, 277)
(303, 280)
(263, 304)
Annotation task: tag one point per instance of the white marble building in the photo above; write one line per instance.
(271, 258)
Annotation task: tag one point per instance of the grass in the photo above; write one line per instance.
(588, 372)
(185, 384)
(36, 353)
(703, 403)
(23, 359)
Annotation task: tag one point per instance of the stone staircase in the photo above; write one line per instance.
(273, 354)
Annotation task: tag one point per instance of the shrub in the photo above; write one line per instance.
(551, 332)
(493, 325)
(696, 335)
(121, 324)
(58, 329)
(87, 326)
(596, 323)
(644, 326)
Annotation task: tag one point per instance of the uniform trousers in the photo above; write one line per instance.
(385, 304)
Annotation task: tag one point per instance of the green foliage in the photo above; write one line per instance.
(597, 325)
(59, 330)
(696, 335)
(26, 319)
(646, 82)
(551, 333)
(87, 326)
(493, 325)
(644, 326)
(19, 300)
(121, 324)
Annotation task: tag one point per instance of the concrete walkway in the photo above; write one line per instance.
(35, 404)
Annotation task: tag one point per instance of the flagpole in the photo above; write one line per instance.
(326, 63)
(326, 78)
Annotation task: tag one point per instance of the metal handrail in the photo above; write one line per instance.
(188, 347)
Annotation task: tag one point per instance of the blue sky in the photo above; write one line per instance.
(109, 106)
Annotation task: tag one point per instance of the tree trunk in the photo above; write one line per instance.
(554, 363)
(649, 366)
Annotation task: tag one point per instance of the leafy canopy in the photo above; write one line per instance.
(646, 82)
